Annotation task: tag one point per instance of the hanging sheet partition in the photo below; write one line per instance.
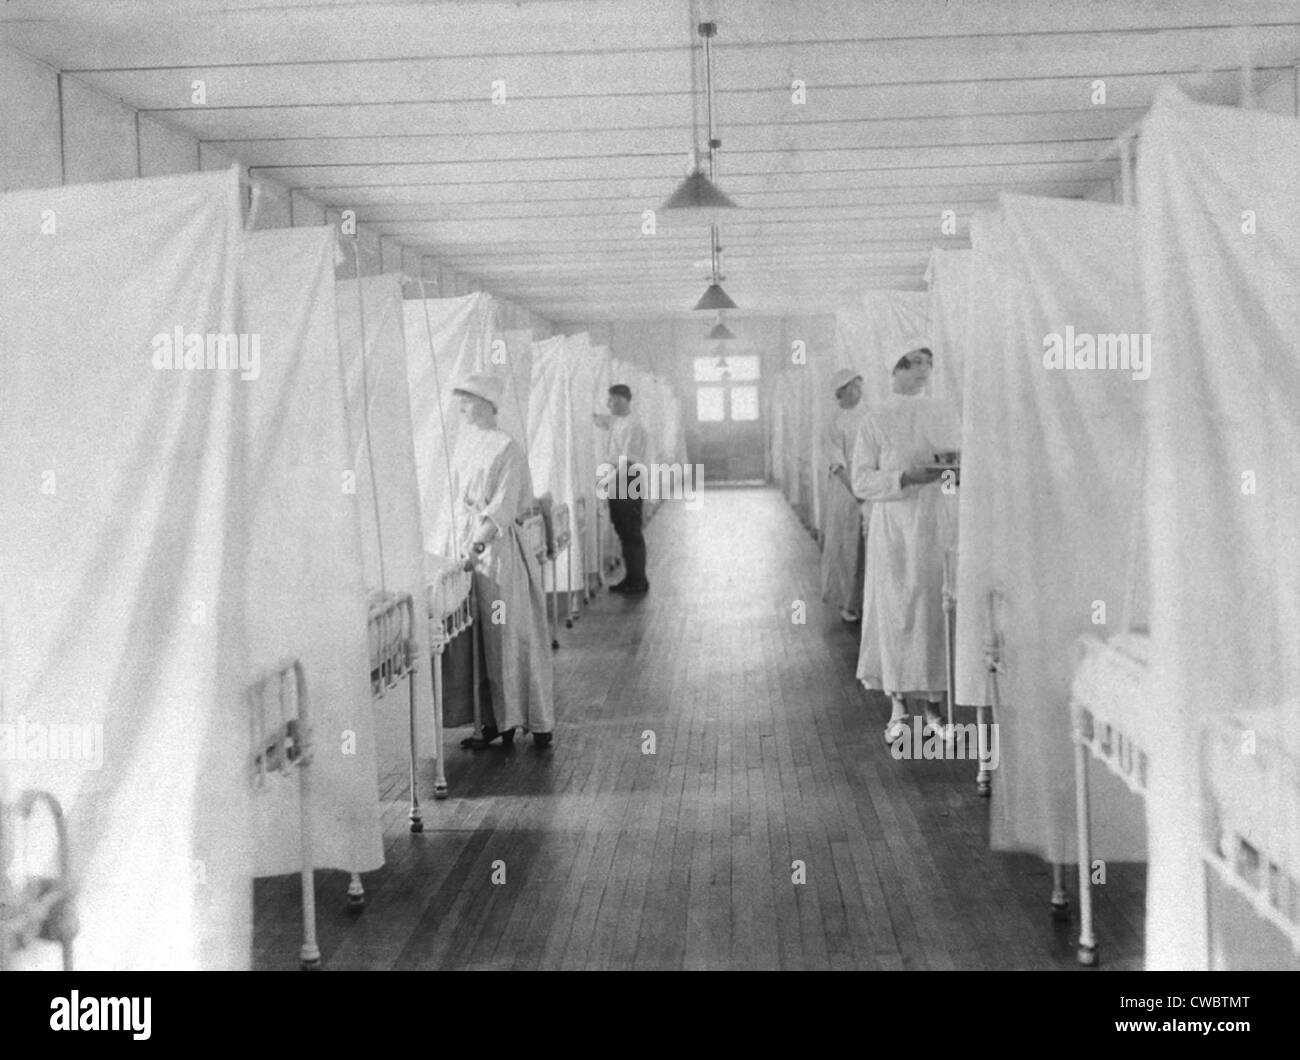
(949, 320)
(306, 591)
(122, 556)
(445, 338)
(385, 481)
(1047, 509)
(553, 455)
(1220, 214)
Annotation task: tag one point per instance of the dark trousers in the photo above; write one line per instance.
(626, 517)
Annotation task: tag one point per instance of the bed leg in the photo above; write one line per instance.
(982, 781)
(309, 956)
(473, 651)
(439, 769)
(552, 602)
(417, 821)
(1060, 899)
(1087, 951)
(356, 894)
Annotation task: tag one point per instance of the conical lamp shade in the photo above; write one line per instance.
(697, 192)
(721, 332)
(715, 298)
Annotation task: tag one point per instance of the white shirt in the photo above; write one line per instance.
(627, 438)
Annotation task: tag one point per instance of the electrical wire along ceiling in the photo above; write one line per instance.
(532, 146)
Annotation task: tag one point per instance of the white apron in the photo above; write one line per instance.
(490, 482)
(909, 529)
(842, 555)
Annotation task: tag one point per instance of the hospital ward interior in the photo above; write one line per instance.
(650, 485)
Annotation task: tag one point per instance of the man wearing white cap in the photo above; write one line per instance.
(491, 487)
(903, 648)
(843, 551)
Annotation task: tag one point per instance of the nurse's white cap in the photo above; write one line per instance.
(487, 387)
(843, 378)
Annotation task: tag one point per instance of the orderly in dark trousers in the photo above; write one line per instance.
(627, 452)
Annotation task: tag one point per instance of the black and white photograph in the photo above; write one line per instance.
(651, 486)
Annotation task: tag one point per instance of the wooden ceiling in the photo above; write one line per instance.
(912, 108)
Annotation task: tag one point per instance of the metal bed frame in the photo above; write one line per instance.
(444, 627)
(1100, 727)
(281, 746)
(1248, 841)
(561, 541)
(34, 907)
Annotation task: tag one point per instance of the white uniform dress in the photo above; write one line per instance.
(491, 483)
(902, 616)
(842, 544)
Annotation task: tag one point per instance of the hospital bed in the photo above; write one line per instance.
(1109, 723)
(1250, 801)
(983, 785)
(451, 609)
(560, 542)
(533, 522)
(578, 532)
(280, 740)
(33, 907)
(390, 632)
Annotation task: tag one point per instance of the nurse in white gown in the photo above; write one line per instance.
(903, 642)
(492, 487)
(843, 559)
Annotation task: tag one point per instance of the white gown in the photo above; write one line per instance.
(909, 529)
(842, 555)
(491, 482)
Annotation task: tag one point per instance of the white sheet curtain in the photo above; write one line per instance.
(392, 541)
(1047, 509)
(306, 590)
(122, 553)
(447, 338)
(949, 320)
(1219, 201)
(553, 441)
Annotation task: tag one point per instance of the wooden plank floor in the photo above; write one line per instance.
(767, 752)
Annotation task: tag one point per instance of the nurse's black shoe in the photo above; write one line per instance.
(619, 587)
(490, 733)
(634, 588)
(542, 740)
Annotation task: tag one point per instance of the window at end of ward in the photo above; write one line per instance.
(708, 404)
(744, 402)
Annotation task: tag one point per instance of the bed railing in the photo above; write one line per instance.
(1250, 836)
(1106, 697)
(393, 658)
(281, 747)
(579, 533)
(33, 907)
(451, 612)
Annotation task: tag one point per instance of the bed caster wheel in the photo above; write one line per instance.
(555, 645)
(356, 904)
(309, 962)
(1061, 910)
(983, 789)
(440, 791)
(568, 623)
(417, 826)
(1086, 955)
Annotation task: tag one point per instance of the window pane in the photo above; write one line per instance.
(744, 402)
(743, 369)
(708, 404)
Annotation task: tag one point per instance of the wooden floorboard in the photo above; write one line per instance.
(767, 754)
